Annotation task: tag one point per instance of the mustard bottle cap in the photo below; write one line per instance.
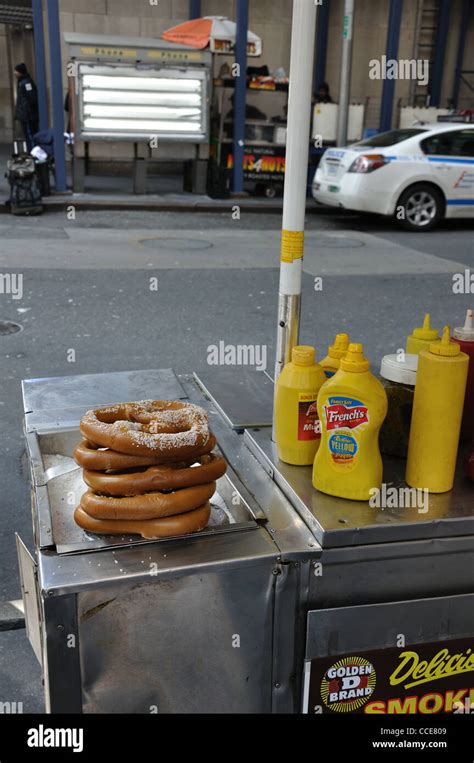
(425, 332)
(446, 347)
(303, 355)
(466, 332)
(340, 346)
(355, 360)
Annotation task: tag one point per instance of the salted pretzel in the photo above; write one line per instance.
(166, 477)
(165, 527)
(148, 506)
(149, 469)
(88, 455)
(169, 430)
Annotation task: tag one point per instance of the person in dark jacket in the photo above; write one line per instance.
(26, 104)
(323, 95)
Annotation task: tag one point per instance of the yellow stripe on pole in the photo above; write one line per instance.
(292, 245)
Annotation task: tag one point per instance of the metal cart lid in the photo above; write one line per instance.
(62, 400)
(244, 398)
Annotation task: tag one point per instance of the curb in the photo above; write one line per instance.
(158, 206)
(12, 616)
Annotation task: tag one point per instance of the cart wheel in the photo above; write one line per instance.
(270, 191)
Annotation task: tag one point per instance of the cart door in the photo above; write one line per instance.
(401, 657)
(29, 592)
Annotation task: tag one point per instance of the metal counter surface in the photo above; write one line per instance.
(336, 522)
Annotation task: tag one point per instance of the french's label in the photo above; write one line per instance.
(345, 413)
(344, 416)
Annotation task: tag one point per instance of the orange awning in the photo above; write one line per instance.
(195, 33)
(216, 32)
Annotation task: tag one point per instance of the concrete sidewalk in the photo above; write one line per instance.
(165, 192)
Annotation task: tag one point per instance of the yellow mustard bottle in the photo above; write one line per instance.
(336, 352)
(422, 337)
(297, 431)
(352, 407)
(437, 415)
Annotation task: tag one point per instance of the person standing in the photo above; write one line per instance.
(323, 95)
(26, 104)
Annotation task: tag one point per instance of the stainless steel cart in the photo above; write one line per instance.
(252, 614)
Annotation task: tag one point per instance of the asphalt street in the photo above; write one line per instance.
(86, 287)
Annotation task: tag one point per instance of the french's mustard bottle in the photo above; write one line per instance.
(352, 407)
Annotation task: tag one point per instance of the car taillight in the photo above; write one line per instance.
(368, 163)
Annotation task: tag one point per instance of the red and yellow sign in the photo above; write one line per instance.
(266, 163)
(348, 684)
(426, 679)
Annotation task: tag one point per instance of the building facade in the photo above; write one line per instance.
(271, 20)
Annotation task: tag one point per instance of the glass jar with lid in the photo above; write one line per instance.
(398, 374)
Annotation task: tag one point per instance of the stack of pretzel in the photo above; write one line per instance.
(149, 469)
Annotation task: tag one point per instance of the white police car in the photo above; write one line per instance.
(419, 175)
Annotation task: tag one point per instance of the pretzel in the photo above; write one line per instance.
(169, 430)
(168, 477)
(88, 455)
(182, 524)
(148, 506)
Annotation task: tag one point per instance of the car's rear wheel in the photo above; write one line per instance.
(420, 208)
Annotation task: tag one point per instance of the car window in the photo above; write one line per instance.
(390, 138)
(456, 143)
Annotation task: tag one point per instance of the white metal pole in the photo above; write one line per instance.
(345, 81)
(294, 200)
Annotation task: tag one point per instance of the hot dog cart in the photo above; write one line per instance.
(290, 600)
(138, 90)
(253, 614)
